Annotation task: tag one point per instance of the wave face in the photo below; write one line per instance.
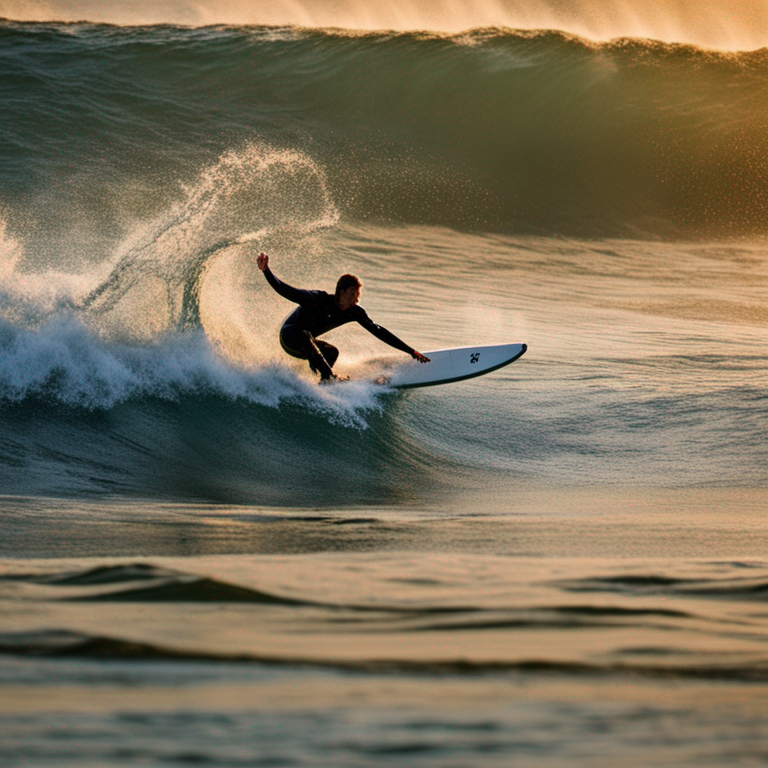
(493, 129)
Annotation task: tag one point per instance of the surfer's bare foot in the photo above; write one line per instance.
(333, 379)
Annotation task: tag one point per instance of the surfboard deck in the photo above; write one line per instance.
(451, 365)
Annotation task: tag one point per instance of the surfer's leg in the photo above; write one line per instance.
(302, 344)
(328, 351)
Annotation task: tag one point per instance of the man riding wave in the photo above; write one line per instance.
(319, 312)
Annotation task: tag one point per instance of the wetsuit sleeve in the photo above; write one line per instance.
(382, 333)
(296, 295)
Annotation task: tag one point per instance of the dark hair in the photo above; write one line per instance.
(347, 281)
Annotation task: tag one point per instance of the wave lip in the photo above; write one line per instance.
(725, 25)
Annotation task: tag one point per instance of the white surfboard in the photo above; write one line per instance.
(448, 365)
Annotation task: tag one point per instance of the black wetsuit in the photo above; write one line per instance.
(318, 312)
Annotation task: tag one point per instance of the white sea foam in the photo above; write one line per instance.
(64, 363)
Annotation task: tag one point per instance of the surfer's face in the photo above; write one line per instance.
(349, 297)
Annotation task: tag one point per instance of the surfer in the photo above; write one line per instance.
(319, 312)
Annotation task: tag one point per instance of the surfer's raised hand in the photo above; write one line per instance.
(262, 261)
(418, 356)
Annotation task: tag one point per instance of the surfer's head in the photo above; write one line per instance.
(348, 291)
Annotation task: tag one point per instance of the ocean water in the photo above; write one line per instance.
(207, 558)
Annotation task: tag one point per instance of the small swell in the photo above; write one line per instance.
(107, 574)
(64, 644)
(191, 590)
(744, 588)
(168, 586)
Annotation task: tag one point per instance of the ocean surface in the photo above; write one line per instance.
(206, 558)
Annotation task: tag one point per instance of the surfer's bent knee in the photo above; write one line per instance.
(289, 347)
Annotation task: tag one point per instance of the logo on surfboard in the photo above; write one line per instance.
(474, 357)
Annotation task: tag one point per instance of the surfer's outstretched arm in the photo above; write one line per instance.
(296, 295)
(388, 337)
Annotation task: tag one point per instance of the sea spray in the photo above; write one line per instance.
(150, 328)
(731, 24)
(255, 195)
